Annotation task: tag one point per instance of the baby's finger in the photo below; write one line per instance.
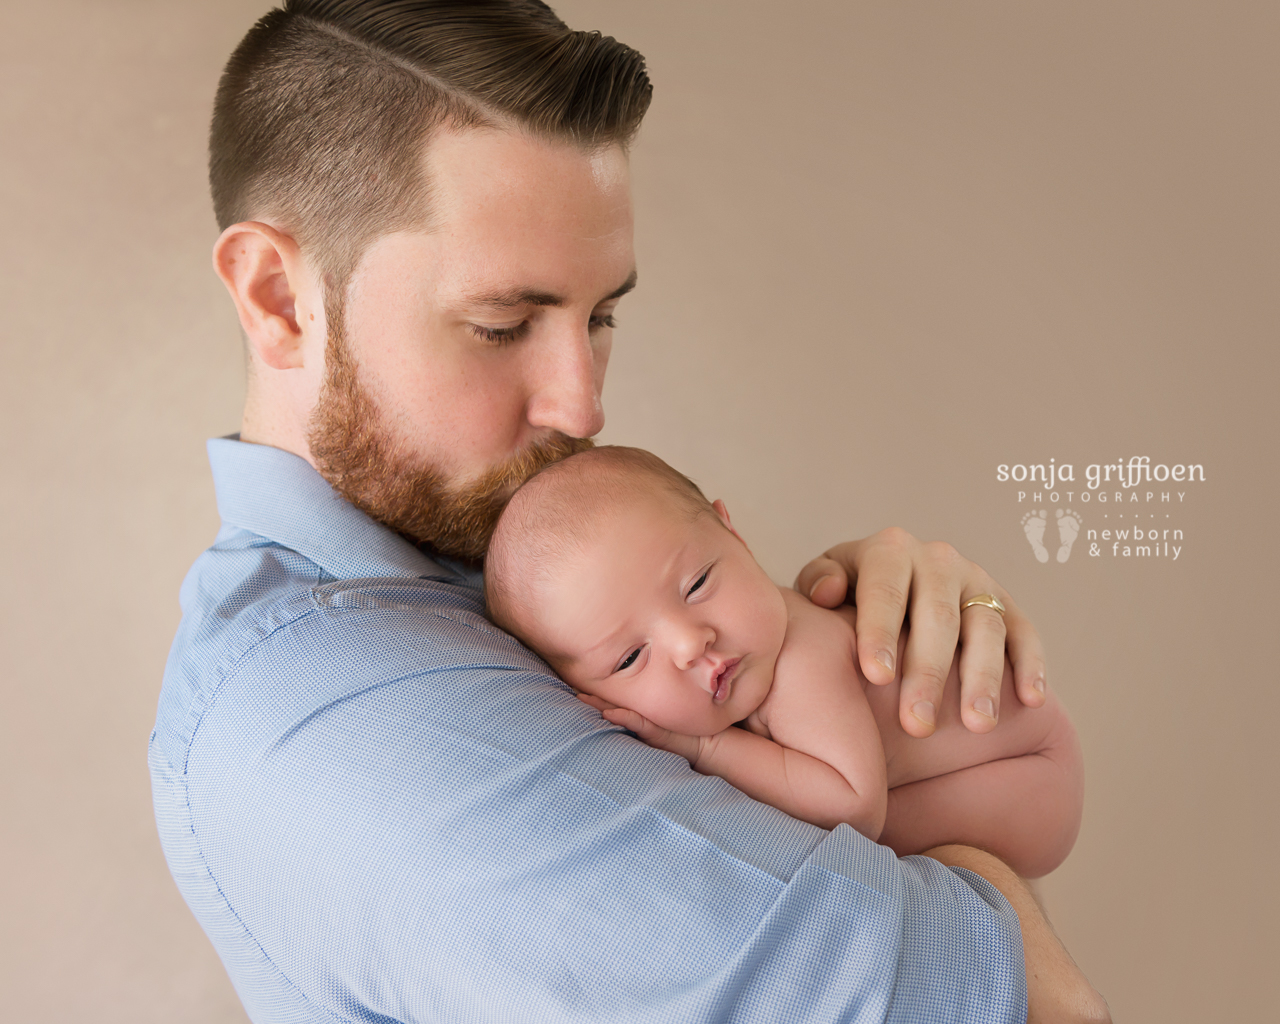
(599, 703)
(628, 719)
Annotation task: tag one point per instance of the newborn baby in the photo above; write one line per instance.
(643, 597)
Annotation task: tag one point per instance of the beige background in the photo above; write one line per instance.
(884, 247)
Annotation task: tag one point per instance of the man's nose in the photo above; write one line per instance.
(566, 391)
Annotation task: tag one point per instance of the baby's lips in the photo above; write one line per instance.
(723, 677)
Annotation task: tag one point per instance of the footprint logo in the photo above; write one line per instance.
(1068, 531)
(1033, 524)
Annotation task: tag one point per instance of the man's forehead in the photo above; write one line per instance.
(480, 169)
(514, 221)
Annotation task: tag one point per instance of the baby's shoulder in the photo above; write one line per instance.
(818, 657)
(806, 619)
(816, 637)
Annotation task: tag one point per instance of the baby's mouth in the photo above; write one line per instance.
(722, 679)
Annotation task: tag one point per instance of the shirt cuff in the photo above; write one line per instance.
(961, 956)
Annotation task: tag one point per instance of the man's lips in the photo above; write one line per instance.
(721, 680)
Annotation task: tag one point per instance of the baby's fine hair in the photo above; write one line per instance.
(562, 505)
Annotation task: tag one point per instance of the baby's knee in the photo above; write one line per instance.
(1060, 799)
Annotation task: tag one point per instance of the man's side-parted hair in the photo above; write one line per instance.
(323, 109)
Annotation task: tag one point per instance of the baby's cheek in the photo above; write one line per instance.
(592, 688)
(674, 715)
(772, 625)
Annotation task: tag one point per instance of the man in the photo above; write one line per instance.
(380, 807)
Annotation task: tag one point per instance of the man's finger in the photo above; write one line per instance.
(1026, 655)
(935, 632)
(881, 591)
(824, 582)
(982, 634)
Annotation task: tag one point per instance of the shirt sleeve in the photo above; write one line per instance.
(393, 813)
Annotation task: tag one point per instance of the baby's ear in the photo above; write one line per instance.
(723, 513)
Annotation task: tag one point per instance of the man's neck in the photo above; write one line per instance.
(275, 423)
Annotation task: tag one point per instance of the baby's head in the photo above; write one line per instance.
(635, 588)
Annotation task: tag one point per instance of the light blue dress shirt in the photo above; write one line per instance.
(383, 809)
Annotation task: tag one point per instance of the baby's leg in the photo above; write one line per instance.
(1016, 791)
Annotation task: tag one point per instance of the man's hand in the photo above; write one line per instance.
(688, 747)
(1057, 990)
(892, 576)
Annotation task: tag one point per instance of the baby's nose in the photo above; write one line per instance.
(693, 644)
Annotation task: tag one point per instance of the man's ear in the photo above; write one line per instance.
(267, 278)
(723, 513)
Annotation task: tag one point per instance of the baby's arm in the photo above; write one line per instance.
(821, 722)
(800, 784)
(831, 768)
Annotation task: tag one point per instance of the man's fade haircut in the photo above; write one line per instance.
(562, 505)
(324, 107)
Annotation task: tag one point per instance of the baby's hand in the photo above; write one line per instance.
(688, 747)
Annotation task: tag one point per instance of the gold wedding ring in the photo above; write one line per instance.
(987, 601)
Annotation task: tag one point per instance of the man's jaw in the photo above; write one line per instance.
(367, 465)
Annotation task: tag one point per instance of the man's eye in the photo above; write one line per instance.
(603, 321)
(630, 660)
(500, 335)
(700, 580)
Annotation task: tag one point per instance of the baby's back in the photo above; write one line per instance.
(952, 746)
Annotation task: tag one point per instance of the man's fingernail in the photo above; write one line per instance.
(817, 583)
(885, 659)
(985, 706)
(923, 710)
(1038, 683)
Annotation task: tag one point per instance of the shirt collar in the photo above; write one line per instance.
(279, 496)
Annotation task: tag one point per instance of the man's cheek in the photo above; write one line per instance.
(602, 363)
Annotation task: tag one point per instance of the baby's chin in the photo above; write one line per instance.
(710, 724)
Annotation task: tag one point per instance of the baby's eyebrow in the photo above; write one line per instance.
(586, 656)
(593, 664)
(609, 638)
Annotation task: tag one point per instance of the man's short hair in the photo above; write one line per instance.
(323, 108)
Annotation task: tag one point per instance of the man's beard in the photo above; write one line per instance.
(364, 463)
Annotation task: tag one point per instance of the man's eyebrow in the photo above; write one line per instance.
(512, 299)
(623, 288)
(517, 297)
